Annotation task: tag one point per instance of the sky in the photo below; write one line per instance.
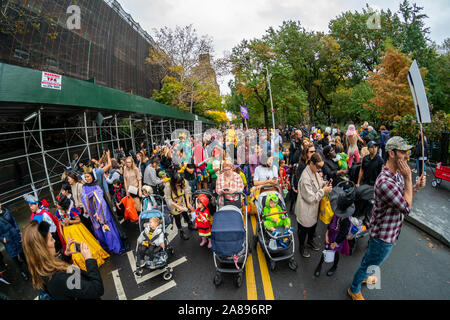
(228, 22)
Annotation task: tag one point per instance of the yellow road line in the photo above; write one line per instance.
(250, 279)
(267, 284)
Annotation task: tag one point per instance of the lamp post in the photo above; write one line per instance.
(271, 102)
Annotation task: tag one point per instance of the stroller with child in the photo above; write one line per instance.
(161, 255)
(279, 246)
(229, 238)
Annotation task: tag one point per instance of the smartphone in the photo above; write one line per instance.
(77, 247)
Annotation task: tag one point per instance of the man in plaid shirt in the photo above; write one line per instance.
(229, 182)
(393, 200)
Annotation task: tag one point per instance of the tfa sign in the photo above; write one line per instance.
(418, 93)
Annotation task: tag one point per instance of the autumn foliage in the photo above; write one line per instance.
(393, 98)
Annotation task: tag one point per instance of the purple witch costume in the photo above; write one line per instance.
(333, 231)
(104, 228)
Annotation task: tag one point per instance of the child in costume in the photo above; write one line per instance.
(341, 157)
(149, 242)
(203, 220)
(148, 201)
(118, 194)
(276, 220)
(39, 212)
(72, 228)
(284, 179)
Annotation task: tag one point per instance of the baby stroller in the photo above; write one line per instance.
(270, 244)
(161, 255)
(363, 198)
(229, 239)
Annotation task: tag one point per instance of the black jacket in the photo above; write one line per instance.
(295, 151)
(330, 169)
(90, 285)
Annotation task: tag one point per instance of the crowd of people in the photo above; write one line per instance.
(302, 164)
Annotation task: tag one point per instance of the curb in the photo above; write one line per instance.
(428, 230)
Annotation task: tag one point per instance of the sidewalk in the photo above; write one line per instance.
(431, 209)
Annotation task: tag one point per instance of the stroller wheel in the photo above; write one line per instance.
(293, 265)
(238, 280)
(434, 184)
(273, 265)
(217, 279)
(167, 275)
(171, 250)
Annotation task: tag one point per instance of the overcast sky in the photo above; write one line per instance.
(230, 21)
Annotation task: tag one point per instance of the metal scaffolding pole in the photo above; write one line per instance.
(43, 157)
(146, 134)
(151, 131)
(132, 136)
(28, 162)
(162, 131)
(87, 135)
(117, 132)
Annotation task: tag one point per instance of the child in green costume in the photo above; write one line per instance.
(277, 220)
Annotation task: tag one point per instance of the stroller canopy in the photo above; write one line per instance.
(228, 232)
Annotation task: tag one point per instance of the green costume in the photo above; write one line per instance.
(269, 222)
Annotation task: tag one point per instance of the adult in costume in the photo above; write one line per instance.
(72, 228)
(40, 213)
(105, 229)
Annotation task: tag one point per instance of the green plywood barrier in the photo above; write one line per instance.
(19, 84)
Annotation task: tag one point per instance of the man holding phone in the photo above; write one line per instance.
(393, 200)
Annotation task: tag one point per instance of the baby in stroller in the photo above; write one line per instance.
(150, 242)
(273, 218)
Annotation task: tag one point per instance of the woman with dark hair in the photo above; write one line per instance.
(177, 194)
(311, 189)
(103, 222)
(331, 169)
(76, 190)
(55, 278)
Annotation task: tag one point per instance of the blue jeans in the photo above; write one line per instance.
(376, 253)
(419, 167)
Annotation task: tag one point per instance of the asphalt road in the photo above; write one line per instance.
(418, 268)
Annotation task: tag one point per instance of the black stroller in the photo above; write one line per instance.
(269, 243)
(229, 239)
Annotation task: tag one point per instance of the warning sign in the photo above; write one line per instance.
(51, 80)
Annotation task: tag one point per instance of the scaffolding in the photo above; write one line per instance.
(43, 150)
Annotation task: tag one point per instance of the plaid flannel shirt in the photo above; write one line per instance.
(390, 206)
(231, 181)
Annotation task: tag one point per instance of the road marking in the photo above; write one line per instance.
(250, 279)
(152, 274)
(118, 283)
(157, 291)
(267, 284)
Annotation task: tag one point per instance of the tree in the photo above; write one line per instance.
(177, 53)
(393, 98)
